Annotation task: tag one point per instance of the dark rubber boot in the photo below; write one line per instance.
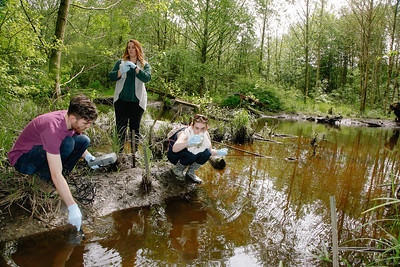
(190, 174)
(178, 170)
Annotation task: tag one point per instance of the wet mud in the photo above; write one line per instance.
(115, 189)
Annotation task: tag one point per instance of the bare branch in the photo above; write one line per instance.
(33, 26)
(97, 8)
(78, 32)
(76, 75)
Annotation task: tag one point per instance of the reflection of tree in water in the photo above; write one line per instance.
(146, 235)
(392, 142)
(139, 236)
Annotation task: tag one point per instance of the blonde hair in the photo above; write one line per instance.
(139, 52)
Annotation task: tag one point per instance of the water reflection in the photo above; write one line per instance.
(257, 211)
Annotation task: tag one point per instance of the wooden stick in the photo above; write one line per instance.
(133, 148)
(335, 251)
(241, 150)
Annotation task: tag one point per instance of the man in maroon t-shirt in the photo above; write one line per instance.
(51, 145)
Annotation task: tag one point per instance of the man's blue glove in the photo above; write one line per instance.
(222, 152)
(89, 157)
(194, 140)
(75, 216)
(130, 64)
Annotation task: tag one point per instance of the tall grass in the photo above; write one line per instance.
(16, 115)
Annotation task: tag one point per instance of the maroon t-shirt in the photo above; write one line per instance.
(48, 130)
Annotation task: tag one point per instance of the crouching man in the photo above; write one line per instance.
(51, 145)
(191, 146)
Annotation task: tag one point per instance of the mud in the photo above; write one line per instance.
(116, 189)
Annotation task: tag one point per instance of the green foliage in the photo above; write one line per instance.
(232, 101)
(257, 90)
(17, 113)
(242, 118)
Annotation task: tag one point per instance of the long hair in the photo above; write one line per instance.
(139, 52)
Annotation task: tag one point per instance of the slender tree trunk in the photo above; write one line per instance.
(345, 69)
(317, 81)
(306, 51)
(396, 80)
(55, 54)
(391, 55)
(262, 43)
(267, 75)
(364, 12)
(203, 49)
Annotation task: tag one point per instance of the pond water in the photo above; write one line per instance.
(258, 211)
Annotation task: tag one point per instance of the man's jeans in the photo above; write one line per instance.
(35, 161)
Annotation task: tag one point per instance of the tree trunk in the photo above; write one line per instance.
(317, 81)
(203, 50)
(55, 54)
(262, 43)
(306, 51)
(391, 55)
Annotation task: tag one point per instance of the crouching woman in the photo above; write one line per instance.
(191, 147)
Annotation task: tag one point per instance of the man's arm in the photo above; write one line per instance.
(55, 166)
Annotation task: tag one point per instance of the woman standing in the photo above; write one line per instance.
(130, 96)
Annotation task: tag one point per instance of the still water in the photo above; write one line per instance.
(258, 211)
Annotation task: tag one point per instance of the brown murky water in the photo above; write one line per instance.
(256, 212)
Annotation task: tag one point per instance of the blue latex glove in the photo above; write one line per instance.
(194, 140)
(124, 68)
(222, 152)
(130, 64)
(89, 157)
(75, 216)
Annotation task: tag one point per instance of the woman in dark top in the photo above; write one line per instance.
(130, 96)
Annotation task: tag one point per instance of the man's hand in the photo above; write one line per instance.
(222, 152)
(194, 140)
(89, 157)
(75, 216)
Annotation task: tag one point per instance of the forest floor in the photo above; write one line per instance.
(119, 188)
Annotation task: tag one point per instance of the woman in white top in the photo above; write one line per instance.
(131, 73)
(191, 147)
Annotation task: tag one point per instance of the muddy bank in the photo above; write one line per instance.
(116, 189)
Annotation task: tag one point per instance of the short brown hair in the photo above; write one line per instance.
(82, 107)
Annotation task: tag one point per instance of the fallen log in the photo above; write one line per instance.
(110, 100)
(373, 124)
(261, 138)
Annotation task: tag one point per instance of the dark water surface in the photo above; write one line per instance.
(256, 212)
